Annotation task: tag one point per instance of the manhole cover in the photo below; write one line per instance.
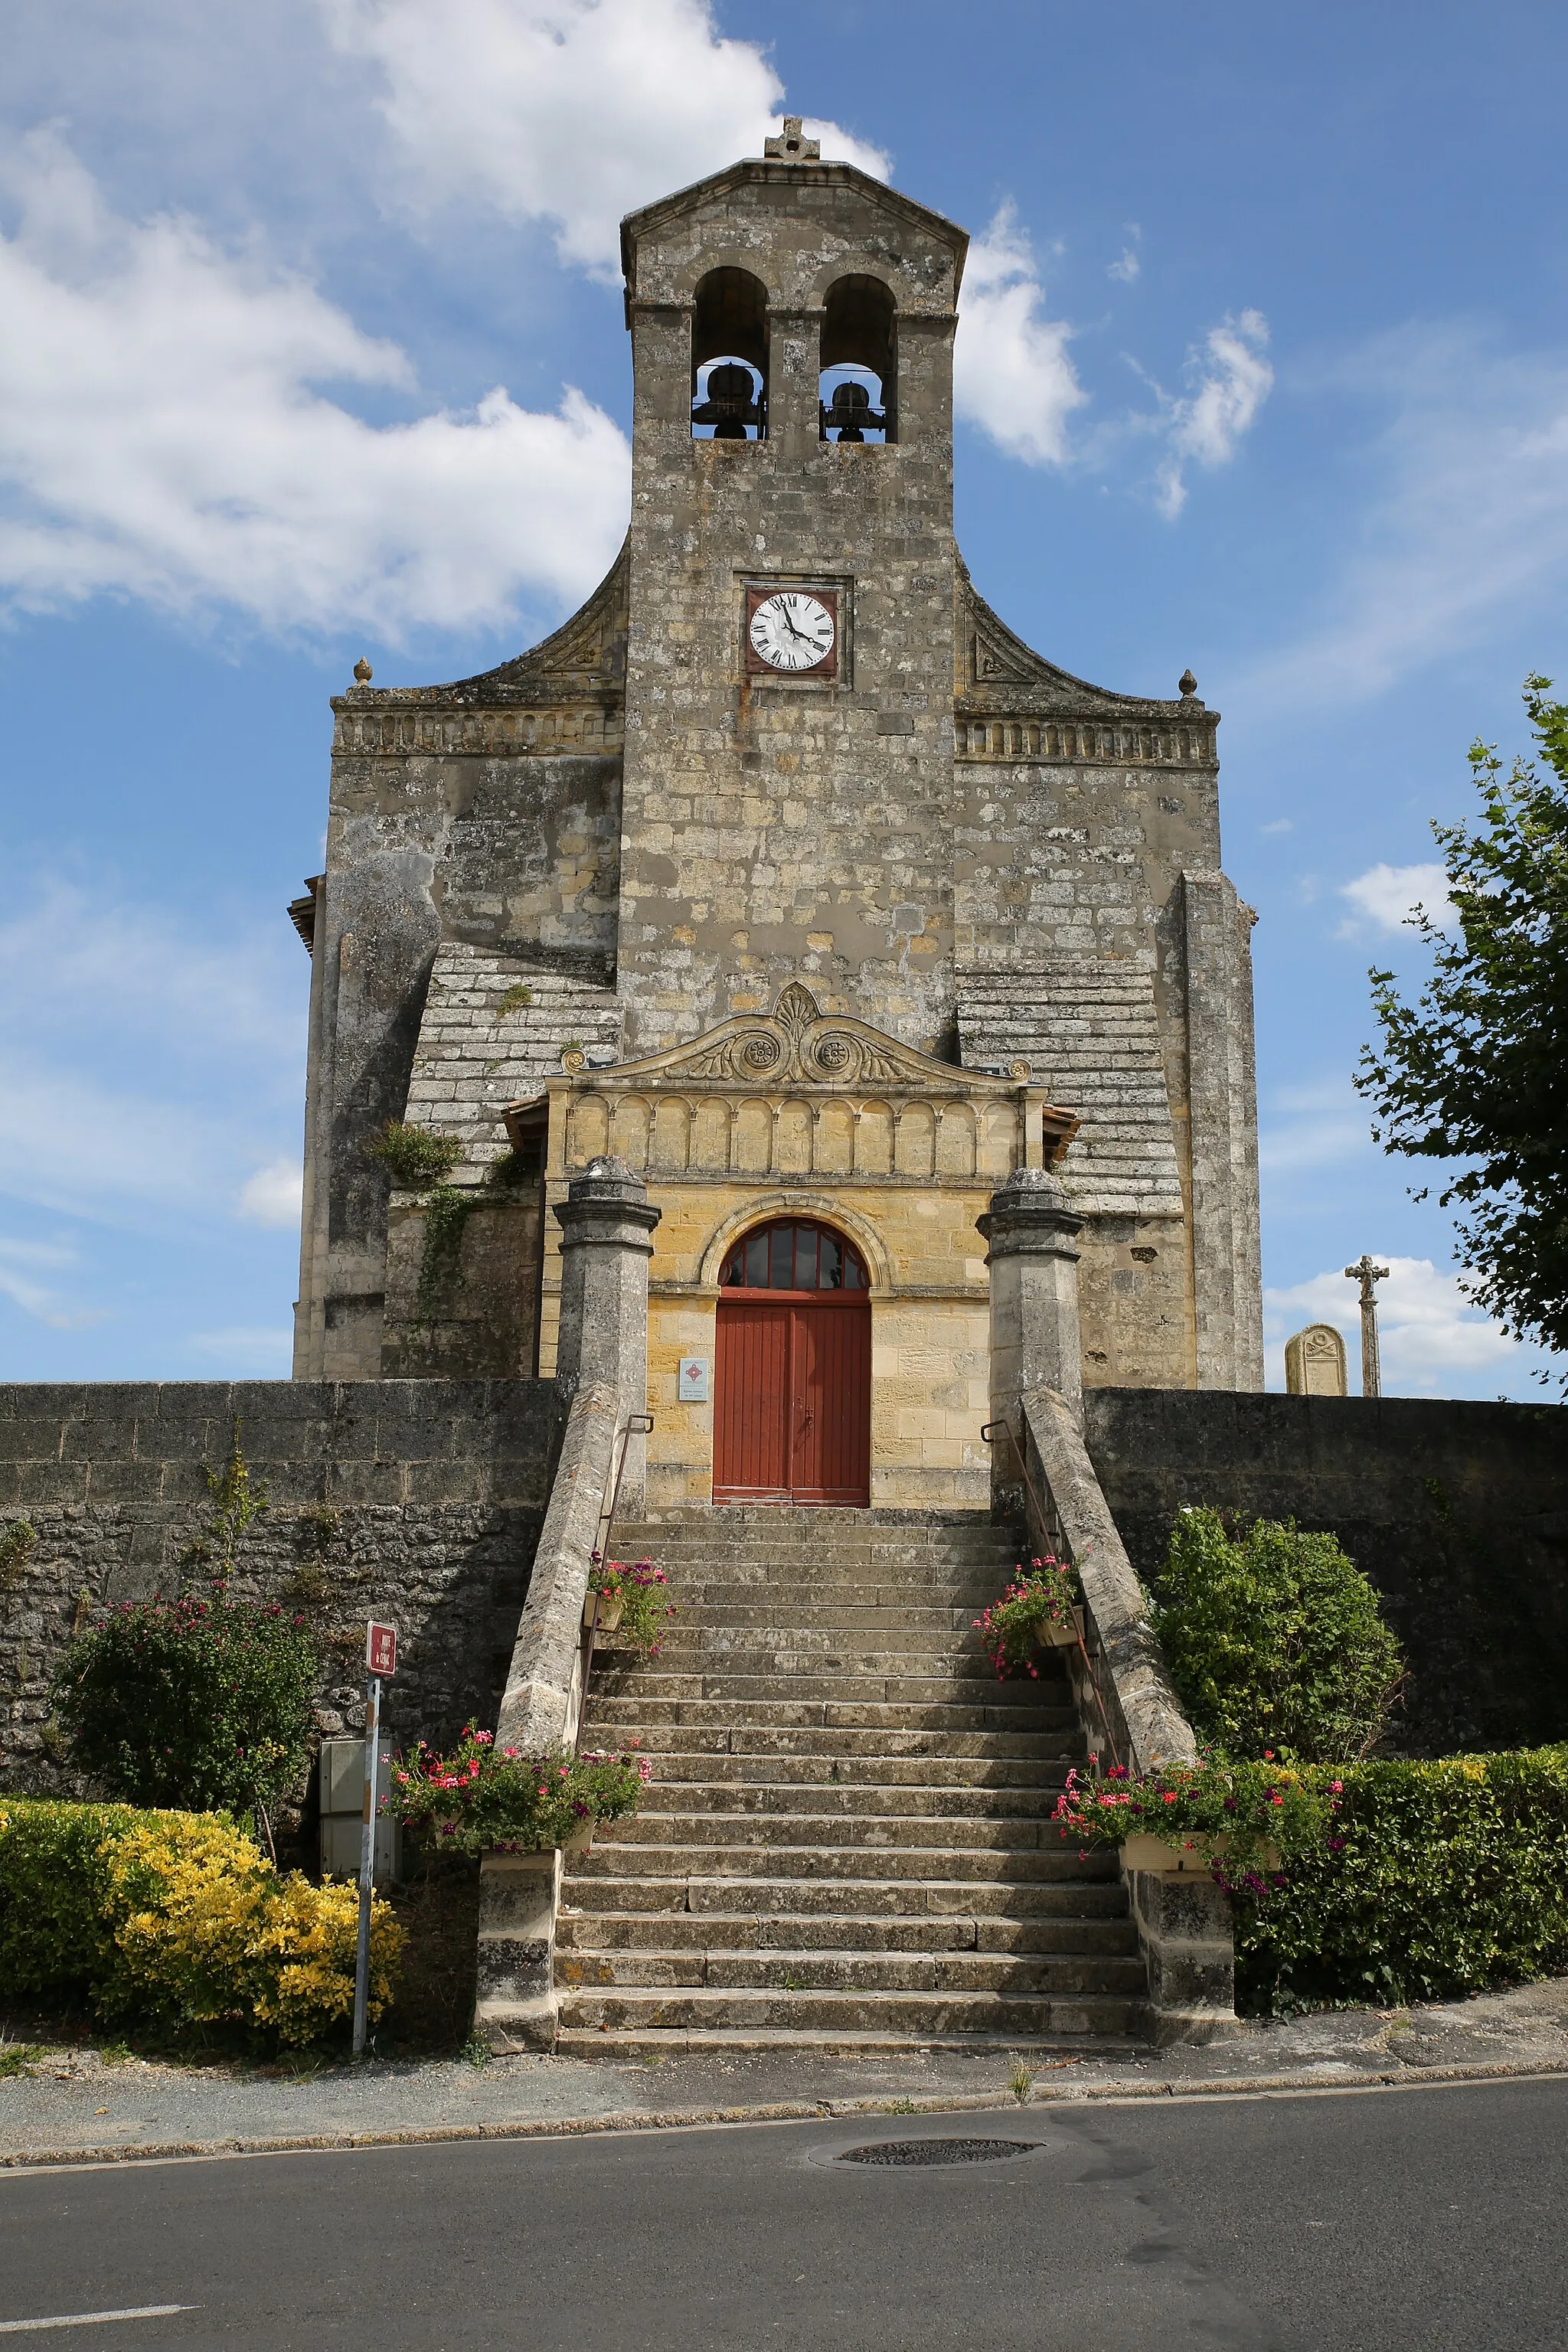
(936, 2151)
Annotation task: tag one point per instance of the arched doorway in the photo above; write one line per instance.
(792, 1419)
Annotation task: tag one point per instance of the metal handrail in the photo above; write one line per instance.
(987, 1435)
(637, 1425)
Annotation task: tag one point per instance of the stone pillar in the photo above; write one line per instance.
(607, 1227)
(1030, 1231)
(516, 2007)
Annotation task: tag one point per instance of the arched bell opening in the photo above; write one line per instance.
(730, 358)
(792, 1420)
(858, 385)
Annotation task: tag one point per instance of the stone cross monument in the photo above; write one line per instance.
(1369, 1276)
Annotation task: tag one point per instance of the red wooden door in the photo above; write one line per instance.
(830, 1397)
(792, 1419)
(750, 1416)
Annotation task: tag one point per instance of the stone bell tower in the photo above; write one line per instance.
(788, 875)
(791, 327)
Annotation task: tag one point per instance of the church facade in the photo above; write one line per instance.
(788, 875)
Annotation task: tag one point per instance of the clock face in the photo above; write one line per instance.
(792, 630)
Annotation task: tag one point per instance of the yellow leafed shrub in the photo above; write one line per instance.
(177, 1919)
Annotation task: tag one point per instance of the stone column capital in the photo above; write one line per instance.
(608, 1205)
(1030, 1216)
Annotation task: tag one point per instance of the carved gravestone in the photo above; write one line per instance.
(1315, 1362)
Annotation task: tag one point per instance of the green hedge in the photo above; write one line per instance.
(175, 1920)
(1440, 1879)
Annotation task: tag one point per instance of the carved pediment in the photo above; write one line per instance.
(797, 1045)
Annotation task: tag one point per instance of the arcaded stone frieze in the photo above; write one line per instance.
(523, 719)
(1005, 729)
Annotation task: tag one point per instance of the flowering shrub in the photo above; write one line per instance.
(176, 1919)
(1228, 1814)
(1435, 1880)
(1011, 1628)
(485, 1800)
(642, 1591)
(1274, 1641)
(190, 1702)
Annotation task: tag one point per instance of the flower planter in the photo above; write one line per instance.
(582, 1837)
(1141, 1851)
(1067, 1636)
(601, 1613)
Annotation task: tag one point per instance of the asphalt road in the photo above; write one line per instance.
(1428, 2218)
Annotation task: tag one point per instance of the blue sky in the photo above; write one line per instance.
(314, 348)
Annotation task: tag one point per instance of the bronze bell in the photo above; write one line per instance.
(729, 406)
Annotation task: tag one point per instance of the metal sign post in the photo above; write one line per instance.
(381, 1658)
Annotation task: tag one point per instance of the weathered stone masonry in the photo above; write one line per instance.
(420, 1500)
(614, 845)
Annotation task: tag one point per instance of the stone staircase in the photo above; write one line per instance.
(848, 1839)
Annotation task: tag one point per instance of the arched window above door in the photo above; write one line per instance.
(793, 1255)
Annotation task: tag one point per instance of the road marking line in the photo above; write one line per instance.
(96, 2318)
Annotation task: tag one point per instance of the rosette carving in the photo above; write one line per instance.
(761, 1053)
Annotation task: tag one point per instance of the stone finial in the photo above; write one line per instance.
(363, 672)
(790, 147)
(1188, 684)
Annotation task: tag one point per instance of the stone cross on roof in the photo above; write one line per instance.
(789, 147)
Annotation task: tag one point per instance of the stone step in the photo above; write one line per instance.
(778, 1621)
(849, 1972)
(992, 1862)
(730, 1521)
(847, 2014)
(875, 1686)
(654, 2048)
(841, 1828)
(903, 1656)
(611, 1711)
(981, 1901)
(889, 1562)
(904, 1775)
(859, 1806)
(754, 1744)
(1112, 1936)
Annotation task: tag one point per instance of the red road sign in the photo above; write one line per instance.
(381, 1649)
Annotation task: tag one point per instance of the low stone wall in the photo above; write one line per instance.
(418, 1501)
(1457, 1512)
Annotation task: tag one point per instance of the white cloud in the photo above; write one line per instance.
(1389, 895)
(1462, 513)
(1429, 1332)
(272, 1195)
(145, 1070)
(1232, 379)
(571, 111)
(1280, 824)
(1312, 1126)
(162, 435)
(1127, 270)
(1011, 373)
(39, 1299)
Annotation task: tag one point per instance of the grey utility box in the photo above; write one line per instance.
(343, 1812)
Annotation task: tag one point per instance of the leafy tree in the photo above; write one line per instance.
(1275, 1641)
(193, 1703)
(1477, 1069)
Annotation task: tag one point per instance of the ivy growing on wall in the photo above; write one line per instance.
(420, 1159)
